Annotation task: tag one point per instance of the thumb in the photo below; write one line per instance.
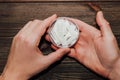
(57, 55)
(104, 25)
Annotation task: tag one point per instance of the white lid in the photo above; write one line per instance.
(63, 32)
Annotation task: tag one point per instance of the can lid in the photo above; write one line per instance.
(63, 32)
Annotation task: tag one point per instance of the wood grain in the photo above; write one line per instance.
(56, 0)
(14, 14)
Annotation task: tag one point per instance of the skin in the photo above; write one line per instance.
(25, 58)
(96, 49)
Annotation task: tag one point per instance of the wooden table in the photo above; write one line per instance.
(15, 13)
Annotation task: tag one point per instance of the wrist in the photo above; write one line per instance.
(11, 76)
(115, 73)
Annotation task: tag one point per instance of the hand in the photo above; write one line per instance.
(96, 49)
(25, 58)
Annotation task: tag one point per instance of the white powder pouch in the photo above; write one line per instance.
(63, 32)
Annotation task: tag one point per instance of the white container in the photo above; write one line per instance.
(63, 32)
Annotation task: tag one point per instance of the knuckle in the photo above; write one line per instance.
(18, 38)
(22, 39)
(101, 24)
(27, 41)
(104, 23)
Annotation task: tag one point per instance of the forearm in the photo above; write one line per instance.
(115, 73)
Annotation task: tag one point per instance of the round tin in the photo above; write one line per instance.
(63, 32)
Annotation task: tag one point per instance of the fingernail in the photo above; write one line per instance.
(55, 15)
(100, 13)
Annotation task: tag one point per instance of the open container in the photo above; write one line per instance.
(63, 32)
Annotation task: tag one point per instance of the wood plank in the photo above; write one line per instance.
(72, 71)
(14, 15)
(57, 0)
(6, 43)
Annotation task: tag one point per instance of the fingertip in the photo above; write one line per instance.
(51, 19)
(54, 16)
(72, 53)
(103, 24)
(99, 17)
(57, 55)
(66, 50)
(47, 38)
(62, 51)
(100, 13)
(54, 47)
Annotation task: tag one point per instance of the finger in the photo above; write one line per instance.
(104, 25)
(54, 47)
(39, 29)
(57, 55)
(24, 28)
(35, 23)
(84, 27)
(29, 29)
(72, 53)
(47, 38)
(33, 26)
(47, 30)
(46, 23)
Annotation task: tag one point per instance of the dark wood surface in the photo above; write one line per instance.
(55, 0)
(15, 13)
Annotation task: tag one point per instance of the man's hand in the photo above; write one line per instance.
(25, 58)
(97, 49)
